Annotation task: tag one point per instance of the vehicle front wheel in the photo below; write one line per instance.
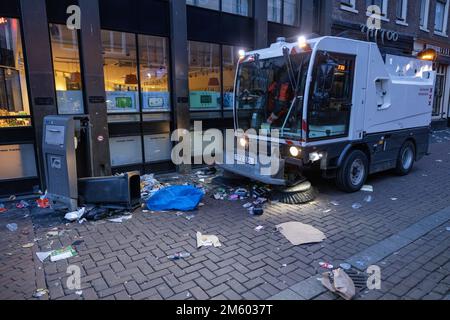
(406, 159)
(353, 173)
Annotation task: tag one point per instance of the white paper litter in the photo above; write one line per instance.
(75, 215)
(298, 233)
(120, 219)
(367, 188)
(42, 256)
(207, 240)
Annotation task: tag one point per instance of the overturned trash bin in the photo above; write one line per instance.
(116, 192)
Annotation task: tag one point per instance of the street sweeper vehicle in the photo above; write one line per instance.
(338, 104)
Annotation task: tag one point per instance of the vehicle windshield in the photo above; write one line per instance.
(269, 93)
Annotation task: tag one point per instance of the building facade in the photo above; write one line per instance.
(137, 68)
(407, 27)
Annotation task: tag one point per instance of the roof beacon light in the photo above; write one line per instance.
(428, 55)
(241, 54)
(302, 44)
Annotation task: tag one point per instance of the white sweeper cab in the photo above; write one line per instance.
(338, 104)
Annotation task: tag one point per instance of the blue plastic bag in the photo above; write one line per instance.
(182, 198)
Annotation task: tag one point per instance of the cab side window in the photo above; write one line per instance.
(330, 99)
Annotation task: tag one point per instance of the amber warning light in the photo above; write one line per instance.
(428, 55)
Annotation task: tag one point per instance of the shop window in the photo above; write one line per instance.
(67, 70)
(17, 161)
(14, 105)
(208, 4)
(424, 12)
(158, 147)
(120, 71)
(382, 4)
(331, 96)
(291, 11)
(240, 7)
(274, 10)
(204, 76)
(230, 57)
(125, 150)
(349, 5)
(284, 11)
(401, 10)
(441, 16)
(154, 73)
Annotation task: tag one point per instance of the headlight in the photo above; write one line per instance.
(294, 151)
(243, 142)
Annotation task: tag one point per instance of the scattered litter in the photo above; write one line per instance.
(179, 256)
(190, 217)
(53, 233)
(207, 240)
(63, 254)
(82, 221)
(2, 208)
(241, 192)
(394, 199)
(149, 186)
(28, 245)
(76, 215)
(233, 197)
(248, 205)
(284, 265)
(77, 243)
(121, 219)
(345, 266)
(326, 265)
(256, 211)
(182, 198)
(22, 204)
(42, 256)
(260, 201)
(259, 228)
(12, 227)
(188, 295)
(340, 283)
(448, 228)
(368, 199)
(367, 188)
(357, 206)
(40, 293)
(43, 202)
(298, 233)
(439, 161)
(335, 203)
(79, 293)
(12, 198)
(327, 211)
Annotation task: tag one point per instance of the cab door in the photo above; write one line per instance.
(330, 98)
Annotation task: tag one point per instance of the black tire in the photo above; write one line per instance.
(348, 178)
(406, 159)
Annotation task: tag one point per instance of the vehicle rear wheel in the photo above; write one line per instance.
(353, 173)
(406, 158)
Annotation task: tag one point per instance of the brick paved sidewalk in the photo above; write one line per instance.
(129, 260)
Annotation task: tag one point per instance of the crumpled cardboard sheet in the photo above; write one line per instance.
(298, 233)
(207, 241)
(340, 283)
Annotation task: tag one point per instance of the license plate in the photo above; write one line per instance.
(243, 159)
